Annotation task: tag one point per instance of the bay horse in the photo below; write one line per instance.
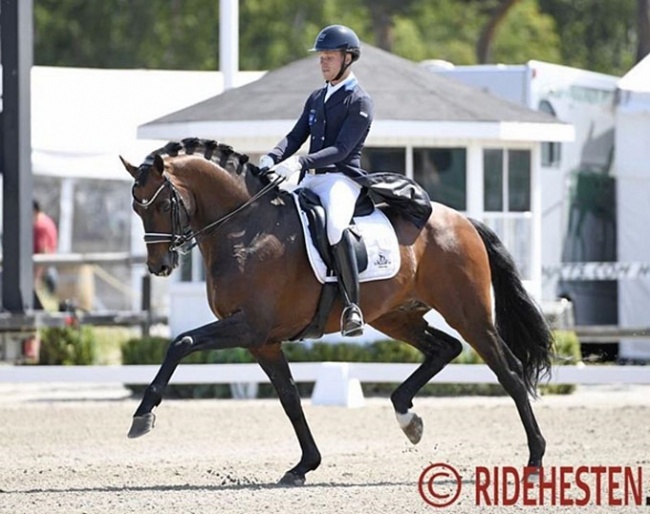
(262, 290)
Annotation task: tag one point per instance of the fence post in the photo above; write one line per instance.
(335, 387)
(146, 304)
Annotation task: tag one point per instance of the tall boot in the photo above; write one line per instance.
(345, 266)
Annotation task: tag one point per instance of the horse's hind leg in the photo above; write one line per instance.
(275, 365)
(509, 371)
(438, 349)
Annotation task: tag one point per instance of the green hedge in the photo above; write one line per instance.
(567, 351)
(67, 346)
(152, 351)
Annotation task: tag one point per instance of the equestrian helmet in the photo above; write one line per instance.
(338, 37)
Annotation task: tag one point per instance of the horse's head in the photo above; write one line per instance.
(198, 177)
(160, 206)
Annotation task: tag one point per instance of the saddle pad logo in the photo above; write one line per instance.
(382, 260)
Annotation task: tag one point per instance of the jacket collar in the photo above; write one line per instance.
(342, 90)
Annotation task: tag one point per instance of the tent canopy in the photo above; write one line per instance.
(82, 118)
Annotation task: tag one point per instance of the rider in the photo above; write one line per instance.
(337, 117)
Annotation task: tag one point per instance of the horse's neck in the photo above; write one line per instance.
(214, 192)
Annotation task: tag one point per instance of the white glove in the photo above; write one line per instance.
(288, 167)
(266, 162)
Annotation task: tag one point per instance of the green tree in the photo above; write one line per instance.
(126, 33)
(449, 30)
(274, 33)
(495, 17)
(599, 36)
(643, 29)
(527, 34)
(603, 35)
(382, 15)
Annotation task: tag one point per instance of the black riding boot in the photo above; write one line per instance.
(345, 266)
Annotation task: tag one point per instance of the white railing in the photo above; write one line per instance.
(334, 381)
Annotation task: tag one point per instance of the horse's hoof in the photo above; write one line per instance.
(141, 425)
(531, 474)
(291, 479)
(414, 429)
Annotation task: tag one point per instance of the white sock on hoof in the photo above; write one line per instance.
(404, 419)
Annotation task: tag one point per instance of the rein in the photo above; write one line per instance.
(183, 240)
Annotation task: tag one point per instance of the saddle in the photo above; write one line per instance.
(374, 243)
(315, 212)
(378, 255)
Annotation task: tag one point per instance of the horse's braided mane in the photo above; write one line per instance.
(221, 154)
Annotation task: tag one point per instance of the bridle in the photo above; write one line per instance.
(180, 226)
(182, 239)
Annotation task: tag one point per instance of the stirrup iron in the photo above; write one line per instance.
(352, 321)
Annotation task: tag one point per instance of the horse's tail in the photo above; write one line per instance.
(519, 320)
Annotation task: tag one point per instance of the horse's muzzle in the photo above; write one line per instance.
(164, 267)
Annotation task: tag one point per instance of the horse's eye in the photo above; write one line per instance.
(166, 205)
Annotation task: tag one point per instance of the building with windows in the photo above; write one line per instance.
(470, 150)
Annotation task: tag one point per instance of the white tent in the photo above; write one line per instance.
(83, 118)
(632, 167)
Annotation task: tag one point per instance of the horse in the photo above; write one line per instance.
(263, 292)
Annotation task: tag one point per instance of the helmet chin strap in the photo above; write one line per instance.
(343, 68)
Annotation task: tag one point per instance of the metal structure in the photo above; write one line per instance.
(17, 55)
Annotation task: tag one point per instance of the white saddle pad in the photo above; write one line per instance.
(380, 240)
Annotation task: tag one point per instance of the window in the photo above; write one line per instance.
(518, 180)
(493, 180)
(507, 201)
(384, 159)
(443, 173)
(506, 180)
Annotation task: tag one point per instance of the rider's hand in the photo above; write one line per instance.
(288, 167)
(266, 162)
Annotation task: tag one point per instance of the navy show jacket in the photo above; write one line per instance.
(338, 129)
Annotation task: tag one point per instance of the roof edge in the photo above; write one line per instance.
(434, 130)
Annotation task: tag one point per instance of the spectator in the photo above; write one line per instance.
(45, 241)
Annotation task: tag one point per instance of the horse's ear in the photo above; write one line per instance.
(158, 164)
(133, 171)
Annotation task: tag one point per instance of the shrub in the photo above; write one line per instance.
(152, 351)
(67, 346)
(566, 349)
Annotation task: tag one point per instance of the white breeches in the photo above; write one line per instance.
(339, 194)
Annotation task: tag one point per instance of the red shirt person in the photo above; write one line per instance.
(46, 237)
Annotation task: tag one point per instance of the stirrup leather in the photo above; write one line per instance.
(352, 321)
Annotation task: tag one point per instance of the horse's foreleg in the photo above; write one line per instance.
(230, 332)
(275, 365)
(438, 349)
